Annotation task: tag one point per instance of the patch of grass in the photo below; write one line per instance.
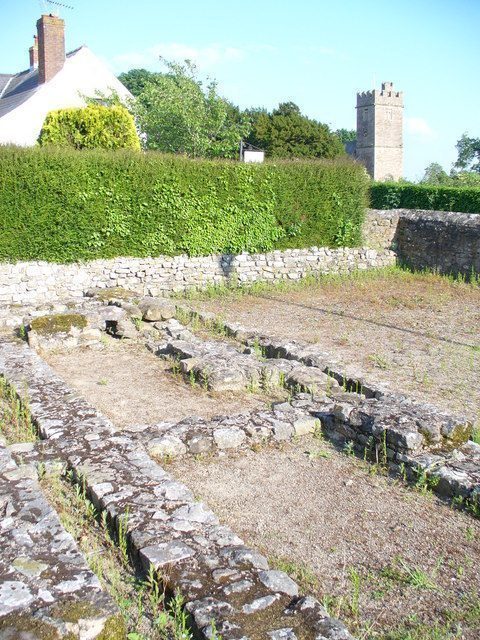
(413, 629)
(234, 291)
(15, 420)
(476, 434)
(401, 572)
(355, 582)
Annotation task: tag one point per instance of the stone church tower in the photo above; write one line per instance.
(380, 132)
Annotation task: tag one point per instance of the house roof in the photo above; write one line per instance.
(4, 80)
(17, 88)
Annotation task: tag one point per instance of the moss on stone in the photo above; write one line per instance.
(20, 623)
(59, 323)
(114, 629)
(73, 611)
(461, 435)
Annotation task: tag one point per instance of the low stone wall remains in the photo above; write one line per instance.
(39, 282)
(444, 241)
(223, 582)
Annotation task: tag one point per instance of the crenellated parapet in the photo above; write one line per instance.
(385, 96)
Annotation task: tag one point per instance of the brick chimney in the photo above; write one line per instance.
(33, 51)
(51, 46)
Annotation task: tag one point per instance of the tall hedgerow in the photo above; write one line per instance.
(394, 195)
(62, 206)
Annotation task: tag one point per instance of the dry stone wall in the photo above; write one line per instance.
(27, 283)
(444, 241)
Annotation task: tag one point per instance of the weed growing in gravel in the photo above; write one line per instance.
(137, 322)
(470, 533)
(315, 454)
(401, 572)
(355, 582)
(379, 361)
(424, 483)
(174, 367)
(349, 448)
(472, 506)
(15, 421)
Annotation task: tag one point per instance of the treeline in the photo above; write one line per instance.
(178, 114)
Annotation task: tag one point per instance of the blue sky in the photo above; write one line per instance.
(315, 53)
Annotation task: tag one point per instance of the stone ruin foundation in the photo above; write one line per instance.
(44, 576)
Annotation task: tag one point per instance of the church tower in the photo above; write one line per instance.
(380, 132)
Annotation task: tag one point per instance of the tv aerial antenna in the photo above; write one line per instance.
(59, 5)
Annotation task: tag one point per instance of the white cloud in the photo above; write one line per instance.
(419, 127)
(205, 58)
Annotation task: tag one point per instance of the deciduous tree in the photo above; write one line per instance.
(468, 154)
(177, 114)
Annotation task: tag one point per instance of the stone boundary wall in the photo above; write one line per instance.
(36, 283)
(444, 241)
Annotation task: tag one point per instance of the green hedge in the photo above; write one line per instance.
(63, 206)
(392, 195)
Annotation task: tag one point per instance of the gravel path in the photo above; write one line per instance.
(318, 509)
(130, 385)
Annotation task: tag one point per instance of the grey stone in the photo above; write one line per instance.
(282, 634)
(196, 512)
(126, 329)
(238, 587)
(243, 556)
(167, 553)
(279, 582)
(167, 446)
(229, 438)
(282, 431)
(200, 444)
(155, 309)
(208, 609)
(305, 425)
(14, 595)
(258, 605)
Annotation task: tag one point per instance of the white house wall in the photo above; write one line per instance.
(82, 74)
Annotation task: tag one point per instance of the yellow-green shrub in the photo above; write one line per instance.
(91, 127)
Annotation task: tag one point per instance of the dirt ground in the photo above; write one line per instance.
(420, 333)
(384, 557)
(130, 385)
